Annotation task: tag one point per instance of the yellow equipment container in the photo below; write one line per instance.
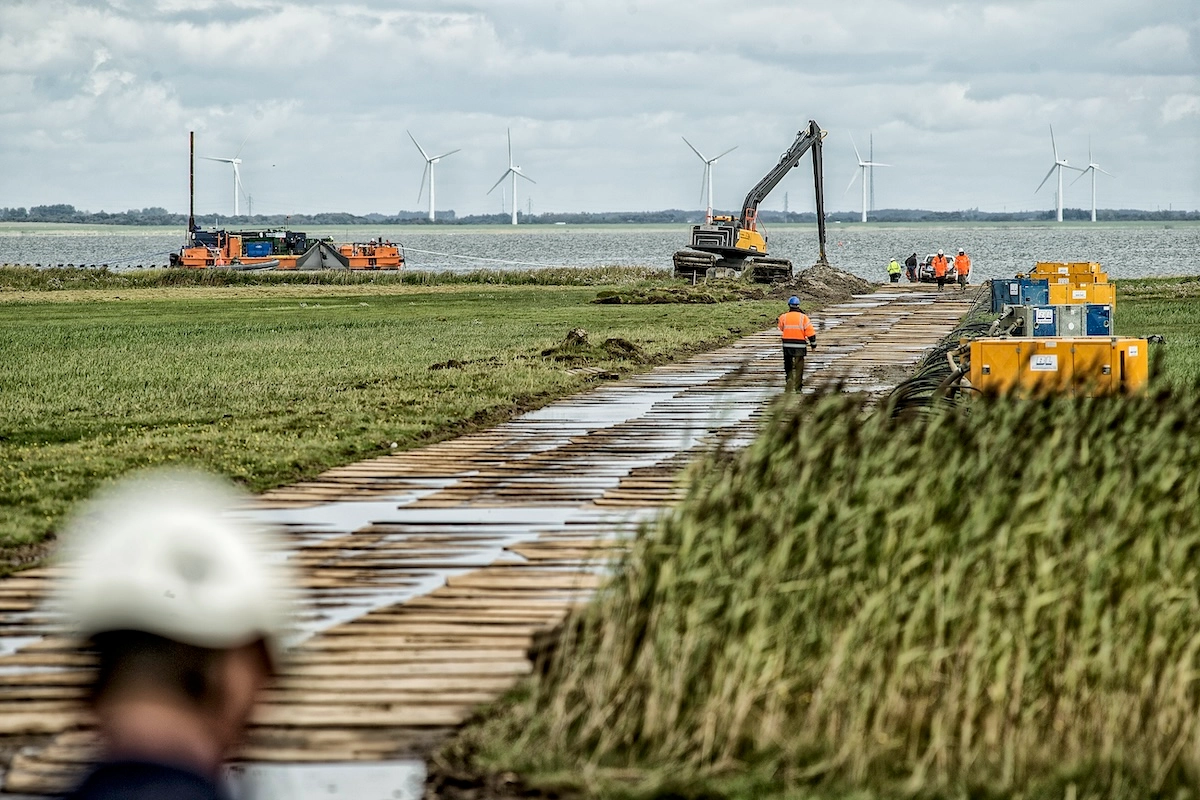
(1043, 269)
(1062, 294)
(1085, 367)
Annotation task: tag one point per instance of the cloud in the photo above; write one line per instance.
(99, 96)
(1181, 106)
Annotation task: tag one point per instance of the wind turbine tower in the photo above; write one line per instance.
(1059, 165)
(237, 176)
(863, 172)
(1093, 168)
(871, 174)
(706, 182)
(514, 171)
(430, 161)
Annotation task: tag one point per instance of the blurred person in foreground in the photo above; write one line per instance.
(184, 605)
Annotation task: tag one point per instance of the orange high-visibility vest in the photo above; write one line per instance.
(962, 264)
(939, 266)
(795, 326)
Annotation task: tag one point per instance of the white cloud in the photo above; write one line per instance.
(959, 96)
(1181, 106)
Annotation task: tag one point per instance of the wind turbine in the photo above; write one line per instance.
(514, 171)
(1093, 168)
(706, 181)
(237, 175)
(429, 162)
(863, 169)
(1059, 164)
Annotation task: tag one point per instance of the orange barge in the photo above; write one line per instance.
(280, 249)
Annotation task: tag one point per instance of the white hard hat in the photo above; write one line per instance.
(961, 250)
(164, 553)
(940, 253)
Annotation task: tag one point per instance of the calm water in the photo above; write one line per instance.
(1126, 250)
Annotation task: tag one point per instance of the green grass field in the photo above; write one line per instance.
(274, 383)
(993, 602)
(1170, 307)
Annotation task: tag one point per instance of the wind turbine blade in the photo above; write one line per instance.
(694, 150)
(1082, 175)
(856, 155)
(243, 144)
(497, 183)
(1043, 183)
(424, 175)
(1106, 172)
(875, 164)
(520, 174)
(704, 185)
(510, 161)
(727, 152)
(1052, 144)
(214, 158)
(424, 155)
(443, 155)
(1068, 166)
(853, 178)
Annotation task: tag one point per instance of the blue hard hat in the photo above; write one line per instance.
(793, 301)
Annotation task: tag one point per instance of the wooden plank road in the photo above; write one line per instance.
(434, 573)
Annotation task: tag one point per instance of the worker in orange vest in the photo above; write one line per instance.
(798, 335)
(962, 266)
(940, 265)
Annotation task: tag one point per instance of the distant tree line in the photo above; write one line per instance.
(160, 216)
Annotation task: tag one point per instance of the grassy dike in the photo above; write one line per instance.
(993, 603)
(276, 379)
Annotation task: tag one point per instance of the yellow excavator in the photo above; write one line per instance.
(734, 246)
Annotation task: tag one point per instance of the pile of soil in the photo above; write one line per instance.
(577, 348)
(717, 291)
(823, 284)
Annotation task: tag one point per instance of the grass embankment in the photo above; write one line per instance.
(270, 383)
(1000, 603)
(1169, 306)
(25, 279)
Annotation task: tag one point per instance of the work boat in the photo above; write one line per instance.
(282, 249)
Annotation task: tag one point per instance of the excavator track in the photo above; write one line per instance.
(697, 265)
(768, 270)
(693, 265)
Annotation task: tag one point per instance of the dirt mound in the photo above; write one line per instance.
(823, 284)
(715, 291)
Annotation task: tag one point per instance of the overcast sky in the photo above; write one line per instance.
(97, 98)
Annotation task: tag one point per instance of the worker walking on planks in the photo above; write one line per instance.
(962, 268)
(894, 271)
(940, 267)
(183, 606)
(799, 335)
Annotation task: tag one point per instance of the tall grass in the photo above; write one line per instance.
(49, 279)
(1004, 602)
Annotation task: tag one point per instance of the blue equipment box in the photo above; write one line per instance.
(1019, 292)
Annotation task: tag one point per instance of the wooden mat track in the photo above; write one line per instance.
(434, 573)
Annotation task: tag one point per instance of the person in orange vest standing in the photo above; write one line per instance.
(799, 336)
(940, 266)
(962, 267)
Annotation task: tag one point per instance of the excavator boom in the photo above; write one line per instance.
(808, 138)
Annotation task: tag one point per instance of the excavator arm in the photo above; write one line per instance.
(806, 139)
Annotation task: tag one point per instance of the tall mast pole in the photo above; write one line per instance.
(191, 185)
